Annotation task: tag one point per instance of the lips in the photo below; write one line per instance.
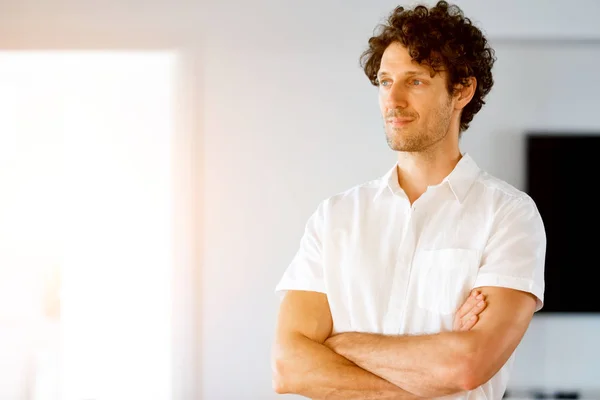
(399, 121)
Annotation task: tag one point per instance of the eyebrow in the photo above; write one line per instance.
(407, 73)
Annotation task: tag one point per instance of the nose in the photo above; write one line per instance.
(395, 97)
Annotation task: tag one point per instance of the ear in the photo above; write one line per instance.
(464, 93)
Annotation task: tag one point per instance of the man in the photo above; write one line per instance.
(372, 295)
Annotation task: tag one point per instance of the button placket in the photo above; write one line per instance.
(401, 275)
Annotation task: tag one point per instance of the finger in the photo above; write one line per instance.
(472, 300)
(470, 303)
(475, 311)
(469, 308)
(469, 323)
(466, 306)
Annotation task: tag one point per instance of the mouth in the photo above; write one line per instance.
(399, 122)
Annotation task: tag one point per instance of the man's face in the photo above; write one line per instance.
(416, 108)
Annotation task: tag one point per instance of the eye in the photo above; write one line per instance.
(385, 82)
(416, 82)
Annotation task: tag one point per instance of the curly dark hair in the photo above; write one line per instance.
(442, 38)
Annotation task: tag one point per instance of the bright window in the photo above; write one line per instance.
(86, 178)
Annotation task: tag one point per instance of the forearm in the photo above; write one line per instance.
(427, 365)
(311, 369)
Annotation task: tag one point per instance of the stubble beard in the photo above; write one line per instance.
(399, 139)
(414, 139)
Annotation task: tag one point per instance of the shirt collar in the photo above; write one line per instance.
(460, 179)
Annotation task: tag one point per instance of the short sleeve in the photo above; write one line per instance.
(514, 256)
(305, 272)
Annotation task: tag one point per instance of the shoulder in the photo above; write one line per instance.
(505, 195)
(348, 202)
(355, 196)
(510, 204)
(499, 187)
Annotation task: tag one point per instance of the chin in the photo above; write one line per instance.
(406, 149)
(407, 146)
(399, 143)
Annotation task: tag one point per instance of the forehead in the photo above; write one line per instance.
(396, 58)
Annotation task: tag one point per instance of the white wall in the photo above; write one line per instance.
(290, 120)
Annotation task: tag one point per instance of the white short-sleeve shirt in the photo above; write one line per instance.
(391, 268)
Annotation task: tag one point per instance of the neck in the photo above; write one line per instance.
(418, 170)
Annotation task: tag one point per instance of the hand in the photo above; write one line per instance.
(468, 314)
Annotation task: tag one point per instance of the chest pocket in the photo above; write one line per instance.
(445, 278)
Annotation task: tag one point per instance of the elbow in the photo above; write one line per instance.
(471, 374)
(469, 369)
(288, 365)
(279, 383)
(469, 381)
(281, 371)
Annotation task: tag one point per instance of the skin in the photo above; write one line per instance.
(421, 123)
(304, 364)
(449, 362)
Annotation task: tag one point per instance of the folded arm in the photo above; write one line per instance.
(441, 364)
(303, 365)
